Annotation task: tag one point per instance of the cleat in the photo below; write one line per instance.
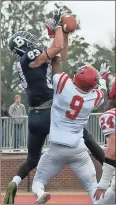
(10, 194)
(43, 198)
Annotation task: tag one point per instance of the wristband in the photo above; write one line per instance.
(105, 76)
(47, 55)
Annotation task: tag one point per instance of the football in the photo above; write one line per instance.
(69, 23)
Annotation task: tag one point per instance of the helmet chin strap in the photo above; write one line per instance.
(18, 49)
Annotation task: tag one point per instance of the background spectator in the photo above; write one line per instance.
(4, 113)
(17, 110)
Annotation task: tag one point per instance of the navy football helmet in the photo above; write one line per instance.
(21, 41)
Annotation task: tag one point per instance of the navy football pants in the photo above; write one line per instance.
(39, 126)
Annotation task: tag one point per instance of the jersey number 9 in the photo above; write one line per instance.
(76, 105)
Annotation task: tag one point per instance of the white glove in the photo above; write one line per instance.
(50, 23)
(104, 69)
(103, 184)
(107, 175)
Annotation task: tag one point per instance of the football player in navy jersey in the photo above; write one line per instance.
(39, 93)
(38, 86)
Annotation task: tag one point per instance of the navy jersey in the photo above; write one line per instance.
(36, 81)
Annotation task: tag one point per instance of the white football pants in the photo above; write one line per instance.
(54, 160)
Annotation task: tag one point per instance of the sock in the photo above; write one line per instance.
(17, 180)
(37, 188)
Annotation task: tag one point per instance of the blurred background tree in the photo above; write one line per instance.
(31, 16)
(104, 54)
(77, 55)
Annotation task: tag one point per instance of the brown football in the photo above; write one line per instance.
(69, 23)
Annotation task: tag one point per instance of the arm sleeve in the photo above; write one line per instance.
(99, 98)
(102, 84)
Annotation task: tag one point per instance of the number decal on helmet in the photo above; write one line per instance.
(19, 41)
(33, 54)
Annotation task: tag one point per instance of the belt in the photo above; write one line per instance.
(45, 105)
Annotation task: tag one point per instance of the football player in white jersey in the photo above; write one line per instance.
(106, 190)
(71, 108)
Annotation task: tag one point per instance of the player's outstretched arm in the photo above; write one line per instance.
(56, 67)
(106, 75)
(64, 52)
(51, 52)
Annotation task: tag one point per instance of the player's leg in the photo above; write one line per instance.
(84, 169)
(49, 166)
(34, 154)
(38, 130)
(109, 197)
(93, 147)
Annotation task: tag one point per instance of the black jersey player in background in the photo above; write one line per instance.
(36, 82)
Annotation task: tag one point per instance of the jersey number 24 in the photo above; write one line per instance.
(108, 123)
(76, 105)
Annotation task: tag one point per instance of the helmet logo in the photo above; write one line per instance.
(19, 41)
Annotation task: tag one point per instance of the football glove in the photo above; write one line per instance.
(53, 23)
(104, 68)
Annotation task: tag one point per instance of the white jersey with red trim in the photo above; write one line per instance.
(70, 110)
(107, 122)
